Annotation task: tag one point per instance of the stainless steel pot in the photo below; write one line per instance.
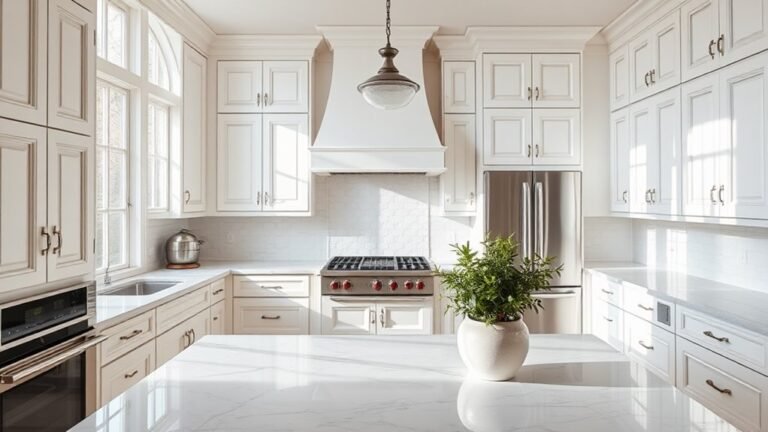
(182, 248)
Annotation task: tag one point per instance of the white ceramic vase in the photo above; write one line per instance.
(493, 352)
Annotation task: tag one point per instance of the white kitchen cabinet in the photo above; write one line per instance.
(218, 318)
(286, 87)
(286, 163)
(271, 286)
(239, 162)
(619, 77)
(127, 337)
(263, 87)
(458, 87)
(406, 316)
(642, 152)
(651, 346)
(507, 80)
(239, 86)
(23, 155)
(126, 371)
(70, 204)
(620, 161)
(654, 58)
(348, 316)
(173, 313)
(608, 324)
(700, 31)
(557, 137)
(390, 316)
(507, 138)
(194, 131)
(458, 183)
(179, 338)
(23, 55)
(71, 67)
(556, 81)
(271, 316)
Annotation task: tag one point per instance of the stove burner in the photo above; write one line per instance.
(378, 263)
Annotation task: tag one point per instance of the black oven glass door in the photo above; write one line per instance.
(51, 402)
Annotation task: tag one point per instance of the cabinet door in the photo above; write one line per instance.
(71, 67)
(70, 204)
(640, 65)
(23, 50)
(181, 337)
(126, 371)
(458, 87)
(218, 318)
(239, 162)
(507, 80)
(556, 81)
(619, 77)
(620, 161)
(651, 346)
(195, 69)
(743, 28)
(458, 181)
(23, 155)
(286, 87)
(643, 153)
(700, 129)
(700, 29)
(405, 317)
(347, 316)
(286, 162)
(271, 316)
(507, 137)
(665, 37)
(743, 159)
(664, 155)
(556, 137)
(239, 86)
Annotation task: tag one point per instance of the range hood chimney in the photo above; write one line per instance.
(355, 137)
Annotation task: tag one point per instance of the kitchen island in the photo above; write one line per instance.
(391, 383)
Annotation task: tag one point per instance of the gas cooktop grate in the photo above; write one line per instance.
(378, 263)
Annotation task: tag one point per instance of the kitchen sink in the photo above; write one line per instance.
(140, 288)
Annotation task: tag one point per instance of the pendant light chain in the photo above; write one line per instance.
(389, 31)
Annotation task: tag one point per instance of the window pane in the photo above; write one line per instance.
(117, 239)
(117, 176)
(158, 149)
(100, 28)
(157, 63)
(100, 240)
(101, 177)
(116, 30)
(118, 118)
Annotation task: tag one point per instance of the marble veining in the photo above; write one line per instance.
(396, 383)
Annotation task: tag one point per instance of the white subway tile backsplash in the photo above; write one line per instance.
(158, 231)
(608, 239)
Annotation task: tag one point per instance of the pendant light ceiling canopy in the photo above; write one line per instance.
(388, 89)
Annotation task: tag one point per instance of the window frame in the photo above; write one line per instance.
(103, 39)
(159, 104)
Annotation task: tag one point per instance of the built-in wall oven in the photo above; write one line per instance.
(48, 360)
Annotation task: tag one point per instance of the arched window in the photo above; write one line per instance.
(162, 56)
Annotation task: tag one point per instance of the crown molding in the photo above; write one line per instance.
(265, 46)
(629, 23)
(184, 20)
(365, 36)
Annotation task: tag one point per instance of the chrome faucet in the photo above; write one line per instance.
(107, 277)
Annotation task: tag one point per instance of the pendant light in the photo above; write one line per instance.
(388, 89)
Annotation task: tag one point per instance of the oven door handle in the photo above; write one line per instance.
(47, 359)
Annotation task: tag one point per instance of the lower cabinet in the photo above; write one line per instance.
(402, 316)
(608, 324)
(218, 318)
(651, 346)
(273, 316)
(179, 338)
(126, 371)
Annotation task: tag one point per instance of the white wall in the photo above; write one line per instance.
(608, 239)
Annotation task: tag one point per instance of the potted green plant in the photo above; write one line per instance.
(492, 291)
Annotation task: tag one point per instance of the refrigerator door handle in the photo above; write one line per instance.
(539, 211)
(526, 237)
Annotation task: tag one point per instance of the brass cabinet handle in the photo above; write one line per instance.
(722, 391)
(187, 339)
(218, 291)
(187, 196)
(44, 233)
(647, 75)
(642, 344)
(644, 307)
(194, 335)
(132, 374)
(132, 335)
(711, 48)
(720, 194)
(721, 44)
(719, 339)
(270, 317)
(530, 93)
(712, 194)
(537, 93)
(607, 291)
(57, 249)
(624, 196)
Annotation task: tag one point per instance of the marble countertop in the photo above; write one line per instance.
(395, 383)
(737, 305)
(111, 310)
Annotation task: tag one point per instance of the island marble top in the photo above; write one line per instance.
(397, 383)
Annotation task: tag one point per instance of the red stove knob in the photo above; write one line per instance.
(334, 285)
(393, 285)
(346, 284)
(376, 284)
(408, 284)
(420, 284)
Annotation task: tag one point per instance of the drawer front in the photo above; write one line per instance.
(639, 302)
(173, 313)
(218, 314)
(651, 346)
(606, 290)
(733, 342)
(126, 371)
(218, 290)
(271, 316)
(608, 324)
(179, 338)
(127, 336)
(271, 286)
(734, 392)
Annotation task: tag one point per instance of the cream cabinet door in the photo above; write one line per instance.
(640, 66)
(218, 318)
(701, 134)
(620, 154)
(70, 204)
(664, 154)
(458, 182)
(507, 80)
(556, 137)
(347, 316)
(239, 162)
(700, 30)
(458, 87)
(271, 316)
(643, 157)
(23, 51)
(286, 87)
(240, 86)
(126, 371)
(71, 67)
(408, 316)
(181, 337)
(23, 155)
(619, 77)
(194, 130)
(665, 65)
(286, 163)
(743, 28)
(556, 81)
(507, 137)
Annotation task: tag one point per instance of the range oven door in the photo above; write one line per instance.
(52, 390)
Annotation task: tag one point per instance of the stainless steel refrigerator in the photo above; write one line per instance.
(542, 209)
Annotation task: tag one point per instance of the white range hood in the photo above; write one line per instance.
(355, 137)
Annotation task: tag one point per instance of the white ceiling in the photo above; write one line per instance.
(453, 16)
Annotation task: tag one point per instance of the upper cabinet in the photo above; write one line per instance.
(269, 86)
(531, 80)
(286, 163)
(654, 60)
(619, 77)
(194, 131)
(458, 87)
(556, 137)
(556, 81)
(620, 162)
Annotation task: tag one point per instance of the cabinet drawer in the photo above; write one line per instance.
(126, 336)
(651, 346)
(734, 392)
(606, 290)
(176, 311)
(182, 336)
(733, 342)
(218, 290)
(637, 301)
(271, 286)
(218, 314)
(126, 371)
(608, 324)
(271, 316)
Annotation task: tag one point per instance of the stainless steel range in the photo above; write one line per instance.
(378, 276)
